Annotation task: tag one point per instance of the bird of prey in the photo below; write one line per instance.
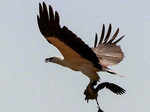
(93, 94)
(77, 55)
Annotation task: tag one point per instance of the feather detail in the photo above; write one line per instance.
(108, 52)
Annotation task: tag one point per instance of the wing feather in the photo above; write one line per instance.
(108, 34)
(95, 43)
(119, 39)
(111, 86)
(71, 47)
(102, 34)
(114, 36)
(108, 52)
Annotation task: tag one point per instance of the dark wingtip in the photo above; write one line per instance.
(103, 25)
(56, 16)
(40, 5)
(102, 34)
(108, 34)
(117, 31)
(38, 18)
(110, 26)
(119, 39)
(51, 13)
(116, 89)
(44, 5)
(50, 7)
(114, 36)
(95, 43)
(57, 19)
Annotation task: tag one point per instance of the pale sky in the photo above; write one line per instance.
(28, 84)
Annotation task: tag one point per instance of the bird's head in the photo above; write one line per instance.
(56, 60)
(51, 59)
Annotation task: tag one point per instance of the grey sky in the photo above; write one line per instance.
(27, 84)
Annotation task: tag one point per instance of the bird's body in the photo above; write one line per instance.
(86, 67)
(77, 55)
(73, 60)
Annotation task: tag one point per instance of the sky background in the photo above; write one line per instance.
(28, 84)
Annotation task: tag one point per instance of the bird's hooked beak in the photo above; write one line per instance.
(49, 59)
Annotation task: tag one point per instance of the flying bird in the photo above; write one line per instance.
(91, 93)
(77, 55)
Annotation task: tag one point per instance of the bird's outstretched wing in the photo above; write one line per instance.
(113, 87)
(72, 48)
(107, 50)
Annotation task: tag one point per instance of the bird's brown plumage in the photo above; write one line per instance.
(77, 55)
(73, 48)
